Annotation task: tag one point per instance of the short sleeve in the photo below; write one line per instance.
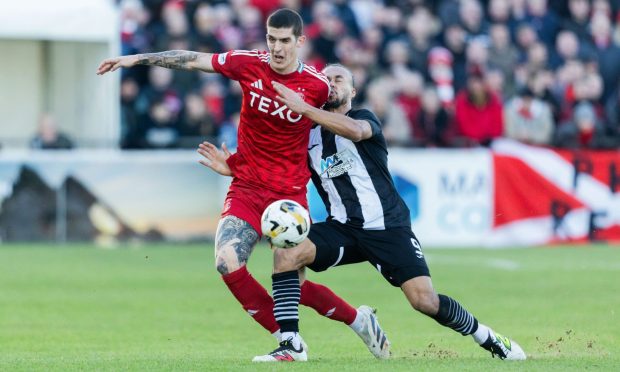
(232, 64)
(371, 118)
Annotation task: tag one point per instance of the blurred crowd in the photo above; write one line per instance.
(438, 73)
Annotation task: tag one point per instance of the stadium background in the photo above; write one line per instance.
(502, 119)
(463, 89)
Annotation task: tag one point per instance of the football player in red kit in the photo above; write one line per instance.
(270, 162)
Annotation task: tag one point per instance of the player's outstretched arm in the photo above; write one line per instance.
(342, 125)
(176, 59)
(215, 158)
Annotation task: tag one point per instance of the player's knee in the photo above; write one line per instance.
(295, 258)
(285, 260)
(227, 261)
(422, 296)
(224, 268)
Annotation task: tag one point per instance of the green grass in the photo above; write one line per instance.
(165, 308)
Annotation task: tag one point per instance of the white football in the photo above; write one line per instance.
(285, 223)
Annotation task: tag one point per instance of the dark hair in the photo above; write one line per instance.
(286, 18)
(343, 67)
(525, 92)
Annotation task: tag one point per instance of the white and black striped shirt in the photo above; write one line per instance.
(353, 179)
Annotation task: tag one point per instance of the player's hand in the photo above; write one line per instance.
(290, 98)
(215, 158)
(113, 64)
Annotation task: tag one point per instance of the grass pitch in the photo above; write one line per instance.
(165, 308)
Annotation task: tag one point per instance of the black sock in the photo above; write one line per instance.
(452, 315)
(286, 295)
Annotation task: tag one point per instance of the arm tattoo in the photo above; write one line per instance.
(234, 242)
(176, 59)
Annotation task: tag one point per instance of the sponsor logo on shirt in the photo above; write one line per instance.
(300, 93)
(337, 164)
(273, 108)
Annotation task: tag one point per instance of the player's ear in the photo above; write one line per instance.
(301, 40)
(353, 92)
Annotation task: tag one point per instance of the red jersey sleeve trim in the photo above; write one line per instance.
(319, 75)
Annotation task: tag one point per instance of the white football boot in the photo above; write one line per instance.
(372, 334)
(286, 352)
(503, 347)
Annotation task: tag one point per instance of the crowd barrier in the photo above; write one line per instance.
(508, 195)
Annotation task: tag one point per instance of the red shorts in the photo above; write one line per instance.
(249, 202)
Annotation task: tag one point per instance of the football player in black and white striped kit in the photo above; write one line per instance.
(368, 221)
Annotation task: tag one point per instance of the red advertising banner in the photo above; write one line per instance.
(546, 196)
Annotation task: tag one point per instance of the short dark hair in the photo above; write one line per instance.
(343, 67)
(286, 18)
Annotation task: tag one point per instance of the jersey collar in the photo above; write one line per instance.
(300, 67)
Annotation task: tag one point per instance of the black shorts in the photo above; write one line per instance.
(395, 253)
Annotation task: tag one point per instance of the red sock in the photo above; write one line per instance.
(253, 297)
(326, 302)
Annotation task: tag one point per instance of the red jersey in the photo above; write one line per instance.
(272, 144)
(479, 123)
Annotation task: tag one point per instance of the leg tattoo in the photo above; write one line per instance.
(234, 242)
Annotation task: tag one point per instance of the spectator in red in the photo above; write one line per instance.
(478, 111)
(566, 52)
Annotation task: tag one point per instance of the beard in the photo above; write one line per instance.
(335, 103)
